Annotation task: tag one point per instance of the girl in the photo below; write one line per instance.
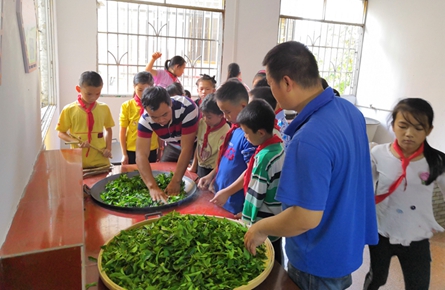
(234, 71)
(206, 85)
(131, 111)
(173, 69)
(260, 76)
(404, 173)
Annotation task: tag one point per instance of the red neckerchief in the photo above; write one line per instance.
(225, 144)
(90, 120)
(210, 130)
(405, 161)
(173, 77)
(275, 125)
(273, 140)
(139, 102)
(279, 110)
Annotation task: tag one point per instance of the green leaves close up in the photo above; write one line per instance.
(132, 192)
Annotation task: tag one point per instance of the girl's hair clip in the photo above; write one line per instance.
(208, 78)
(261, 71)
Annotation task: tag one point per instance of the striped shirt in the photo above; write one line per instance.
(184, 121)
(260, 199)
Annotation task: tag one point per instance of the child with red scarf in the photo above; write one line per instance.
(235, 152)
(264, 169)
(173, 69)
(212, 130)
(405, 172)
(131, 112)
(86, 119)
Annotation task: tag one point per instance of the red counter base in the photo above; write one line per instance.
(102, 224)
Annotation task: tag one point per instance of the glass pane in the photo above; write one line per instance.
(302, 8)
(102, 16)
(112, 19)
(102, 48)
(216, 4)
(345, 11)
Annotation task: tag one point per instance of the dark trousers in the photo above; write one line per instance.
(202, 171)
(132, 156)
(278, 250)
(414, 259)
(171, 153)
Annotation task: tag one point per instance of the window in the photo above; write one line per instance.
(45, 18)
(333, 31)
(129, 32)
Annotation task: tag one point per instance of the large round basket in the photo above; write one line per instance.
(98, 188)
(252, 283)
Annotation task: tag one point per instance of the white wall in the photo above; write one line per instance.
(403, 56)
(19, 118)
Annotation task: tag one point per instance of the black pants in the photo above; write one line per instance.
(278, 249)
(414, 259)
(171, 153)
(202, 171)
(132, 156)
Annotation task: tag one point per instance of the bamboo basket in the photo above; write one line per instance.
(269, 262)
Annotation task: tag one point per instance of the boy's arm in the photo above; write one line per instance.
(194, 166)
(108, 140)
(65, 137)
(223, 195)
(187, 142)
(149, 66)
(123, 141)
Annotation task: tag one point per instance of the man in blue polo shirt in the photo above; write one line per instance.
(175, 121)
(326, 184)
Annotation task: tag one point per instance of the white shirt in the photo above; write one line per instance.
(407, 214)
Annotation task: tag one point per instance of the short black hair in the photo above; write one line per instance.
(209, 105)
(324, 84)
(144, 78)
(264, 93)
(262, 83)
(188, 94)
(295, 60)
(207, 78)
(90, 79)
(232, 90)
(153, 97)
(175, 89)
(233, 70)
(258, 114)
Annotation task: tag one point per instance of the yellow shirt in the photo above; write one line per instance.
(207, 156)
(129, 118)
(74, 119)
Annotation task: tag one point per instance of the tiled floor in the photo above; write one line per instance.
(395, 278)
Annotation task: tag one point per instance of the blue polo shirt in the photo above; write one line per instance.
(327, 168)
(232, 165)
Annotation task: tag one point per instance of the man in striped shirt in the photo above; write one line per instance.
(263, 173)
(175, 121)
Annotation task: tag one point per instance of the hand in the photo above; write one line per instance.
(173, 188)
(84, 144)
(220, 198)
(158, 195)
(156, 55)
(238, 216)
(204, 182)
(254, 237)
(107, 153)
(192, 168)
(124, 159)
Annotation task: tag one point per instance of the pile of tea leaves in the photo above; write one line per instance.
(182, 252)
(132, 192)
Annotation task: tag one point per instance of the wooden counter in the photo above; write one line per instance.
(102, 224)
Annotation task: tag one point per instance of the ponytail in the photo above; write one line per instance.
(166, 64)
(435, 160)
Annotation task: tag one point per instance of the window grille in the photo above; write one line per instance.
(333, 31)
(129, 32)
(46, 62)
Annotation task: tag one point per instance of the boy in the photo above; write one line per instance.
(211, 133)
(175, 121)
(86, 119)
(131, 111)
(235, 152)
(264, 169)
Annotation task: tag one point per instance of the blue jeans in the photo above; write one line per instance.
(310, 282)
